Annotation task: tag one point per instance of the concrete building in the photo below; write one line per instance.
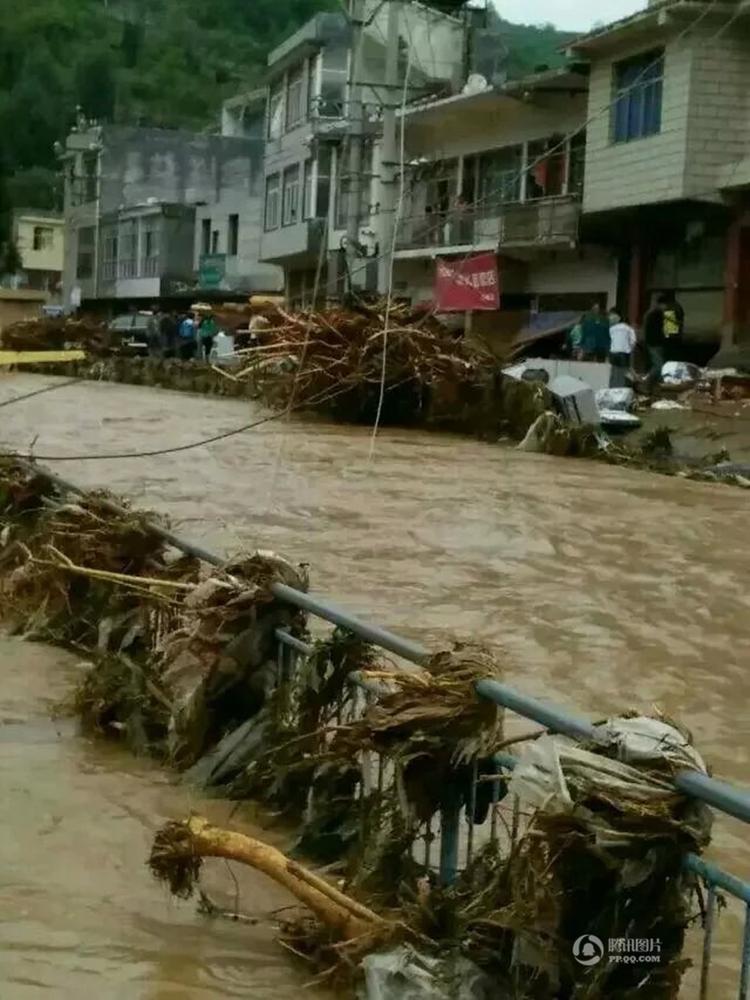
(132, 199)
(667, 171)
(229, 227)
(40, 239)
(309, 123)
(500, 170)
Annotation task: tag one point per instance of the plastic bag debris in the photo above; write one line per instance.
(667, 404)
(555, 773)
(615, 399)
(405, 974)
(679, 373)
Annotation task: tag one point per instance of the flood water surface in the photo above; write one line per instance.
(606, 589)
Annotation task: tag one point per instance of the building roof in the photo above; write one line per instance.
(38, 213)
(247, 99)
(658, 14)
(319, 30)
(565, 80)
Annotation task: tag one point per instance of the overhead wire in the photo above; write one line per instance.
(40, 392)
(323, 396)
(478, 203)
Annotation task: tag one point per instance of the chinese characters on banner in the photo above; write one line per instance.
(466, 285)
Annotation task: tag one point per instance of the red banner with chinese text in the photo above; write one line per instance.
(467, 285)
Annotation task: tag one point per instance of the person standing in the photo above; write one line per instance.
(206, 334)
(595, 335)
(654, 339)
(674, 325)
(622, 342)
(169, 334)
(187, 338)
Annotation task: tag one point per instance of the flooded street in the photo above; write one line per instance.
(608, 589)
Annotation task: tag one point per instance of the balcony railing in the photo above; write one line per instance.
(549, 221)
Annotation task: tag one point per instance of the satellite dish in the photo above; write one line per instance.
(475, 84)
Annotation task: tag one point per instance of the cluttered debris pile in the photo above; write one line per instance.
(360, 757)
(337, 360)
(57, 333)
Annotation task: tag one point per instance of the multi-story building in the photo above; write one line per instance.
(309, 124)
(499, 169)
(132, 199)
(40, 239)
(667, 170)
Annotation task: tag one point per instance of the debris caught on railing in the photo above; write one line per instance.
(177, 657)
(366, 761)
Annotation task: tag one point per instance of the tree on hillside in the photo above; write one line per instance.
(96, 90)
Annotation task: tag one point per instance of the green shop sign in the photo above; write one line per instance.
(213, 269)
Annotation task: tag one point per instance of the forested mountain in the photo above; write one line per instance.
(156, 62)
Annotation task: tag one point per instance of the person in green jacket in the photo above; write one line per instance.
(206, 333)
(595, 334)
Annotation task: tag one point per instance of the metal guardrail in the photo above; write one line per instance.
(719, 795)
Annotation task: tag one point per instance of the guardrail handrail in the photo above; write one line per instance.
(719, 794)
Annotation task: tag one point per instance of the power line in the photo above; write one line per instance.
(313, 401)
(604, 109)
(40, 392)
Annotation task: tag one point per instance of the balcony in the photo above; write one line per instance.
(300, 241)
(548, 222)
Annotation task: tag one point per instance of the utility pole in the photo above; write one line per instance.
(389, 166)
(355, 131)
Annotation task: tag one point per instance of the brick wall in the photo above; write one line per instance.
(647, 170)
(719, 113)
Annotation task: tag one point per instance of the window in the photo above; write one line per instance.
(547, 165)
(276, 109)
(128, 241)
(577, 165)
(334, 77)
(233, 235)
(323, 185)
(636, 111)
(150, 248)
(272, 202)
(86, 251)
(290, 196)
(341, 208)
(215, 241)
(307, 190)
(90, 170)
(44, 237)
(109, 264)
(312, 85)
(294, 97)
(206, 236)
(500, 177)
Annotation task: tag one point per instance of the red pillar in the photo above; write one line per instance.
(637, 283)
(732, 283)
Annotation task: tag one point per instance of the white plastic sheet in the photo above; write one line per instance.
(405, 974)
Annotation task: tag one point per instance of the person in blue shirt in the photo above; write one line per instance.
(187, 341)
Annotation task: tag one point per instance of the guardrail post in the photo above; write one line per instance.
(450, 821)
(745, 968)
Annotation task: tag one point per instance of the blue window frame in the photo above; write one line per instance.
(639, 85)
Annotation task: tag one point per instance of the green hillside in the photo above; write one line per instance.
(151, 62)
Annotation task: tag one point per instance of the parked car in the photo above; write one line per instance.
(129, 333)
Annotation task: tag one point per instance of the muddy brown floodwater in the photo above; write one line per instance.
(607, 588)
